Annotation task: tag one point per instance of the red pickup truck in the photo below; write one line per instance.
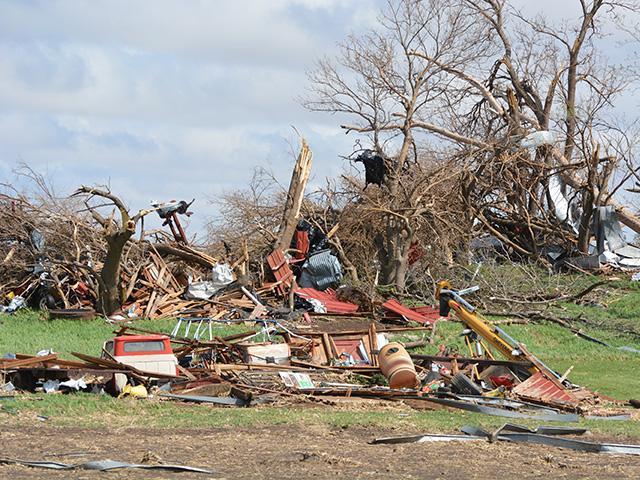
(148, 353)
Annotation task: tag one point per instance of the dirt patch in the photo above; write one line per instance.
(296, 451)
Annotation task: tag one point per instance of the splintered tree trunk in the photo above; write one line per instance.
(627, 217)
(393, 255)
(402, 264)
(585, 224)
(110, 300)
(299, 179)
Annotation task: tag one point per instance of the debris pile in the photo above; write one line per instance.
(74, 257)
(289, 361)
(61, 259)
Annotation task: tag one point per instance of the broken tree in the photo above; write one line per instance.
(116, 234)
(516, 108)
(295, 195)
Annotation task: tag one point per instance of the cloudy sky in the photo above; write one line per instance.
(165, 99)
(168, 99)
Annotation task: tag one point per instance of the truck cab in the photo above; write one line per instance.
(148, 353)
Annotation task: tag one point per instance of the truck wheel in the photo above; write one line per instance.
(47, 302)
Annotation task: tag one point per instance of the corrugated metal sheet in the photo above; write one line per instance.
(396, 307)
(537, 388)
(281, 271)
(430, 312)
(329, 299)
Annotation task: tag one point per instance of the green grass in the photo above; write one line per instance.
(618, 313)
(29, 332)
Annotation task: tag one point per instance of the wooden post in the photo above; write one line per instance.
(373, 344)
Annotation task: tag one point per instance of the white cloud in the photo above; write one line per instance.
(167, 98)
(164, 98)
(238, 32)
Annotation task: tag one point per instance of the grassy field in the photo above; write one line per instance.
(608, 370)
(30, 331)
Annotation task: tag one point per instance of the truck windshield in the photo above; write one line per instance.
(151, 346)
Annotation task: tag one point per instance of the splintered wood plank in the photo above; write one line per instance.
(150, 303)
(132, 282)
(25, 362)
(152, 270)
(172, 282)
(241, 303)
(373, 344)
(154, 308)
(163, 280)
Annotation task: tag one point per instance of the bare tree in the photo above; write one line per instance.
(252, 214)
(388, 93)
(116, 234)
(469, 80)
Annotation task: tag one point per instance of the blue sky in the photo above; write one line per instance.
(170, 99)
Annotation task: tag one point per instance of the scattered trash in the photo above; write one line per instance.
(551, 436)
(101, 465)
(203, 290)
(281, 289)
(51, 386)
(8, 387)
(231, 401)
(518, 434)
(279, 362)
(15, 304)
(296, 380)
(539, 138)
(69, 385)
(321, 271)
(266, 353)
(396, 365)
(374, 167)
(139, 391)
